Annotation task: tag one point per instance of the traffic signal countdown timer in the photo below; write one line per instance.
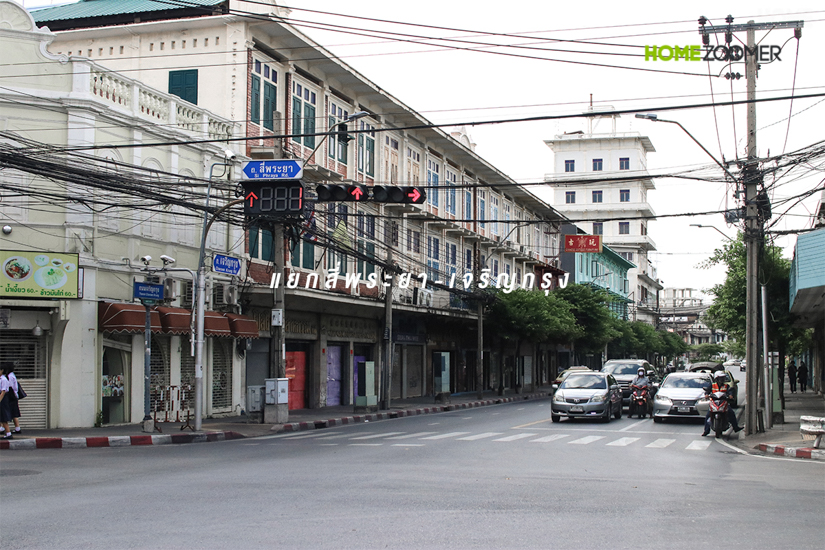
(274, 199)
(378, 193)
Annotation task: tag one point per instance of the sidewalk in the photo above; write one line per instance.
(238, 427)
(785, 439)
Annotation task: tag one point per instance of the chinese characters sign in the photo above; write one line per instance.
(583, 243)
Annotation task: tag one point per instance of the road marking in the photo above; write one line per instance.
(626, 428)
(549, 438)
(326, 437)
(311, 435)
(251, 444)
(434, 424)
(365, 444)
(699, 445)
(521, 409)
(445, 436)
(410, 436)
(408, 445)
(660, 443)
(623, 442)
(586, 440)
(515, 437)
(532, 424)
(328, 444)
(478, 436)
(375, 436)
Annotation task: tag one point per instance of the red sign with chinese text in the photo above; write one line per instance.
(583, 243)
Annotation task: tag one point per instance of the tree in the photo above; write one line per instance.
(705, 352)
(589, 307)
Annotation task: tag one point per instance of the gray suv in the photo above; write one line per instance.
(587, 395)
(624, 371)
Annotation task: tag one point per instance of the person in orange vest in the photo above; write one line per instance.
(720, 384)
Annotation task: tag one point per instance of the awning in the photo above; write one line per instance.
(215, 324)
(242, 326)
(124, 317)
(175, 320)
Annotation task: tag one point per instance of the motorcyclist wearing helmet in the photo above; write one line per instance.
(641, 379)
(720, 384)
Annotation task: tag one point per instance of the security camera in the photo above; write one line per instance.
(167, 259)
(229, 155)
(146, 259)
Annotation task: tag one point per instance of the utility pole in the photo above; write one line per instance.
(480, 319)
(752, 177)
(386, 378)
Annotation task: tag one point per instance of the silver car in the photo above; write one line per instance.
(587, 394)
(682, 395)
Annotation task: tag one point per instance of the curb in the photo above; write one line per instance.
(793, 452)
(115, 441)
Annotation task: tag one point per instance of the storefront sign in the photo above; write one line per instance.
(38, 274)
(583, 243)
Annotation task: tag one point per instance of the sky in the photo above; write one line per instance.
(471, 83)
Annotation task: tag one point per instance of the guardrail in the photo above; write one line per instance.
(812, 427)
(172, 404)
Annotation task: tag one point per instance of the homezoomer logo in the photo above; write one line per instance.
(762, 54)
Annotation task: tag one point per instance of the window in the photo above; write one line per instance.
(365, 230)
(624, 228)
(450, 258)
(391, 232)
(449, 194)
(269, 105)
(413, 241)
(494, 214)
(433, 169)
(597, 196)
(598, 228)
(570, 166)
(624, 163)
(366, 149)
(433, 255)
(184, 84)
(303, 106)
(570, 197)
(338, 144)
(481, 208)
(468, 205)
(627, 256)
(260, 243)
(644, 229)
(597, 165)
(624, 195)
(468, 260)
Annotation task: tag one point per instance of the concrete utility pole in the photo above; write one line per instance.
(752, 177)
(386, 378)
(480, 319)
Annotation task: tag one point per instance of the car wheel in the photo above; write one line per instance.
(606, 417)
(658, 420)
(555, 418)
(618, 413)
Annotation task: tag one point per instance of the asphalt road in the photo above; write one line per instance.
(494, 477)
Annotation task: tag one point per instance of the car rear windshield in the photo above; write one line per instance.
(621, 368)
(674, 382)
(584, 381)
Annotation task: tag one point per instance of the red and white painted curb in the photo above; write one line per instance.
(115, 441)
(794, 452)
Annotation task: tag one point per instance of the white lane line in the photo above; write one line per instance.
(445, 436)
(365, 444)
(626, 428)
(660, 443)
(549, 438)
(478, 436)
(699, 445)
(410, 436)
(622, 442)
(407, 445)
(311, 435)
(375, 436)
(515, 437)
(586, 440)
(328, 444)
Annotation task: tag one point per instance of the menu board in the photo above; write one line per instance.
(38, 274)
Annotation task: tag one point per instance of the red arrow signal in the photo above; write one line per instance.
(356, 192)
(251, 196)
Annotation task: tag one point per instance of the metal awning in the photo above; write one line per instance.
(125, 317)
(242, 326)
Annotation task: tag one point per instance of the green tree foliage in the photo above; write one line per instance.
(589, 307)
(706, 352)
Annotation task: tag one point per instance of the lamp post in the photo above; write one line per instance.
(711, 227)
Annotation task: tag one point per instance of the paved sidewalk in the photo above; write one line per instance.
(786, 439)
(237, 427)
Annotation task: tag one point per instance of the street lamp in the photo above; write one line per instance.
(711, 227)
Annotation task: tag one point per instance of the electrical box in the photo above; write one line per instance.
(254, 398)
(277, 391)
(366, 384)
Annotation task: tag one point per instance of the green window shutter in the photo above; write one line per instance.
(267, 250)
(371, 253)
(184, 84)
(296, 118)
(253, 241)
(295, 253)
(370, 168)
(309, 124)
(255, 101)
(333, 142)
(308, 259)
(269, 106)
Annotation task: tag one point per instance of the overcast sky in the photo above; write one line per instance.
(460, 86)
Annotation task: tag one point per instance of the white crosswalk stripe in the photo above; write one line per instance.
(549, 438)
(660, 443)
(478, 436)
(514, 437)
(410, 436)
(445, 436)
(376, 436)
(586, 440)
(698, 445)
(623, 442)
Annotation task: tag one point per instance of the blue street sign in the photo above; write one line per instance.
(226, 264)
(147, 291)
(273, 169)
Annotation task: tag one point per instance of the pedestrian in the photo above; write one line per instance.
(14, 405)
(792, 376)
(5, 410)
(802, 375)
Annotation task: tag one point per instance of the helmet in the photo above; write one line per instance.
(641, 371)
(720, 374)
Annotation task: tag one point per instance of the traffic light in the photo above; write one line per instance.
(336, 193)
(274, 199)
(362, 193)
(392, 193)
(341, 133)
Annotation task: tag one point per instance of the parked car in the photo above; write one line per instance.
(624, 371)
(682, 395)
(587, 395)
(743, 366)
(563, 374)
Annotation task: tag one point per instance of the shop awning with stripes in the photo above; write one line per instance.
(242, 326)
(124, 317)
(121, 317)
(175, 320)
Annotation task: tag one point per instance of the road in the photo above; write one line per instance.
(495, 477)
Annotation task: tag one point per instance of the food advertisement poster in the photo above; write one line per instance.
(38, 274)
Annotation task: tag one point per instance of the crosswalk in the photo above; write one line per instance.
(421, 439)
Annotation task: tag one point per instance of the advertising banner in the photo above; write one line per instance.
(38, 274)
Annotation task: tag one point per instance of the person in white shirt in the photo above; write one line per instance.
(14, 404)
(5, 410)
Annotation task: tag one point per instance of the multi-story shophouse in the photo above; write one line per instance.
(78, 212)
(258, 69)
(585, 164)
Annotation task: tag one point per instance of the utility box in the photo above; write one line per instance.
(366, 385)
(254, 398)
(277, 391)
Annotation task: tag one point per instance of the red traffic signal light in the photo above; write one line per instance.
(392, 193)
(336, 193)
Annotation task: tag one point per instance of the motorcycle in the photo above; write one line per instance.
(719, 406)
(639, 401)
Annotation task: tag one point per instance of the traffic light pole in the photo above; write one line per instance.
(386, 378)
(480, 321)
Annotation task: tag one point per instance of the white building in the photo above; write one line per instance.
(600, 181)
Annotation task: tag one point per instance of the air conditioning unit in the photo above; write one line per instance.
(423, 297)
(223, 295)
(522, 249)
(186, 295)
(230, 295)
